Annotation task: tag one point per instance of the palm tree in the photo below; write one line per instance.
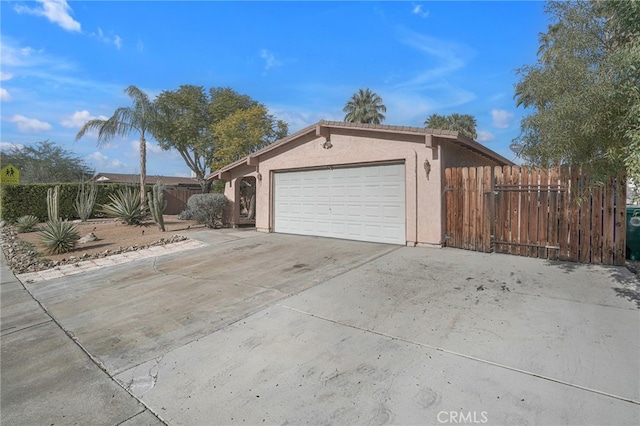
(140, 118)
(364, 106)
(437, 121)
(463, 123)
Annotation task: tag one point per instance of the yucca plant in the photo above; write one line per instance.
(59, 236)
(27, 223)
(127, 206)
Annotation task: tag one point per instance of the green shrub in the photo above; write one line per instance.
(27, 223)
(208, 208)
(126, 205)
(31, 199)
(59, 236)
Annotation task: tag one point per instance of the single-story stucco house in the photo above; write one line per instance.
(364, 182)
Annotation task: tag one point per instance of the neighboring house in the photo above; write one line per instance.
(168, 181)
(354, 181)
(177, 189)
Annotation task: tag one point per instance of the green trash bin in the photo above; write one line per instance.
(633, 232)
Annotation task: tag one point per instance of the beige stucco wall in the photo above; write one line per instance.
(457, 156)
(422, 195)
(232, 191)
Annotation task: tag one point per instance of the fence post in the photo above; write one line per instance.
(621, 220)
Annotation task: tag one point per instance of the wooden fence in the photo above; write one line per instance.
(176, 199)
(536, 213)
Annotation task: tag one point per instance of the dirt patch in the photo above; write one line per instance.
(24, 251)
(113, 235)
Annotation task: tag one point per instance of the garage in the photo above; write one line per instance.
(365, 203)
(356, 181)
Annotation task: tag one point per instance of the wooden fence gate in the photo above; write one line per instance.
(535, 212)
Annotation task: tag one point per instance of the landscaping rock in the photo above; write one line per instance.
(21, 257)
(88, 238)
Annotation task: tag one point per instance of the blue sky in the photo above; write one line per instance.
(65, 62)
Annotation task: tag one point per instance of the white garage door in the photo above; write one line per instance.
(357, 203)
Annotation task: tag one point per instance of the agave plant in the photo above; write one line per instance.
(27, 223)
(127, 206)
(59, 236)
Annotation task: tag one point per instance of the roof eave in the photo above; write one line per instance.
(322, 128)
(217, 175)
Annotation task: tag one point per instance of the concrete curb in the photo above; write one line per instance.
(117, 259)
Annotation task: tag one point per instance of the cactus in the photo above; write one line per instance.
(85, 200)
(53, 203)
(157, 204)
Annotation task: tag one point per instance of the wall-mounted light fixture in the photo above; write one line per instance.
(259, 176)
(427, 168)
(327, 144)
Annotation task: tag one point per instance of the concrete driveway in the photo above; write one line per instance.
(273, 329)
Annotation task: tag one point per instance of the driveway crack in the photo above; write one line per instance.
(139, 384)
(469, 357)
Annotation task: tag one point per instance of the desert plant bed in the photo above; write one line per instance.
(25, 252)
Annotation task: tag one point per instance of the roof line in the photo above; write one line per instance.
(451, 135)
(268, 148)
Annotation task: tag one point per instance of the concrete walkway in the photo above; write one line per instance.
(257, 328)
(46, 377)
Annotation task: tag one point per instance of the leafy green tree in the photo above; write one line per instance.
(183, 120)
(245, 131)
(211, 131)
(139, 118)
(463, 123)
(224, 101)
(46, 162)
(623, 25)
(365, 106)
(584, 90)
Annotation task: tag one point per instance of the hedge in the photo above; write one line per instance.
(21, 200)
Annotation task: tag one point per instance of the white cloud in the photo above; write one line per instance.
(270, 59)
(417, 10)
(56, 11)
(112, 38)
(501, 118)
(79, 118)
(5, 96)
(155, 154)
(485, 136)
(449, 57)
(26, 124)
(8, 146)
(102, 163)
(298, 118)
(412, 95)
(140, 46)
(11, 55)
(29, 62)
(4, 76)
